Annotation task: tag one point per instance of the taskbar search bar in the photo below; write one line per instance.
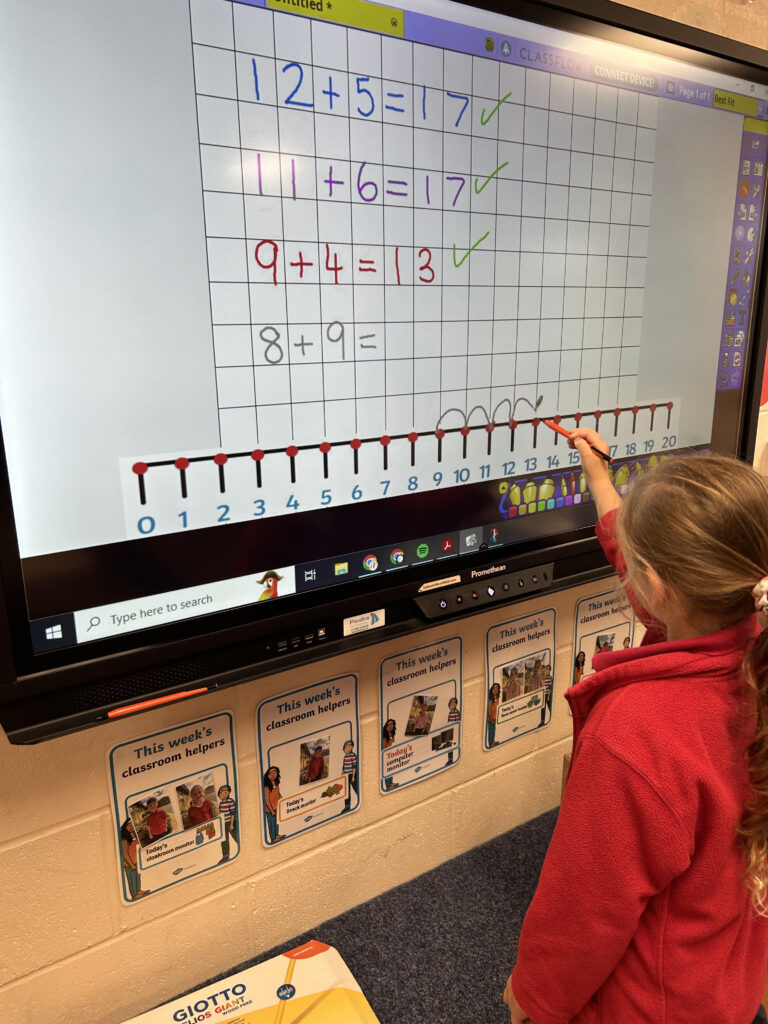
(159, 609)
(122, 617)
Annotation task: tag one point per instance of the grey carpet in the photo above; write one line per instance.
(438, 949)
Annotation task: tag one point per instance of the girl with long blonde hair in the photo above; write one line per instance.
(652, 904)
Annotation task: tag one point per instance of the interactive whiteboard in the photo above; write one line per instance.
(319, 271)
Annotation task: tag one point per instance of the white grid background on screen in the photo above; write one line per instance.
(549, 303)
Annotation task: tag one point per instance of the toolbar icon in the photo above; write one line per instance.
(371, 563)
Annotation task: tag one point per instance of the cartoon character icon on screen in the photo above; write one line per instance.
(494, 696)
(269, 581)
(272, 802)
(578, 667)
(316, 766)
(156, 820)
(228, 809)
(349, 767)
(454, 717)
(129, 844)
(199, 809)
(388, 734)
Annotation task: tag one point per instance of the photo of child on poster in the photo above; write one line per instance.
(198, 802)
(604, 642)
(314, 757)
(420, 716)
(183, 820)
(153, 817)
(617, 638)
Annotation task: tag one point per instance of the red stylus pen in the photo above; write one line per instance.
(566, 433)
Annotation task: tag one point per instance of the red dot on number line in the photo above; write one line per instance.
(220, 459)
(413, 436)
(439, 434)
(670, 404)
(597, 414)
(557, 418)
(465, 431)
(291, 451)
(617, 413)
(513, 424)
(489, 427)
(653, 408)
(635, 410)
(139, 468)
(577, 416)
(182, 463)
(385, 439)
(257, 455)
(325, 447)
(535, 421)
(355, 443)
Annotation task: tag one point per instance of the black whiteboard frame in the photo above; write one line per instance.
(77, 690)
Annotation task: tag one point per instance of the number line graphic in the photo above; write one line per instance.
(141, 468)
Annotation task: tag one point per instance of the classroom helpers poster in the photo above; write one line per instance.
(309, 761)
(420, 712)
(175, 803)
(604, 622)
(520, 659)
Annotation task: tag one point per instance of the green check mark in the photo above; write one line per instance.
(489, 178)
(469, 250)
(483, 119)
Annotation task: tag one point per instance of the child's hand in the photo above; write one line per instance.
(517, 1014)
(595, 468)
(591, 462)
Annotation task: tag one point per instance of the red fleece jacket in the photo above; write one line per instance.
(641, 915)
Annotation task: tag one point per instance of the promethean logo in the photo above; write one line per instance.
(487, 572)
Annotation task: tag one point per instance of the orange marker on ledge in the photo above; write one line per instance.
(566, 433)
(154, 702)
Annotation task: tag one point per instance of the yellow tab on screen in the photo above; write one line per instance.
(355, 13)
(751, 124)
(732, 101)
